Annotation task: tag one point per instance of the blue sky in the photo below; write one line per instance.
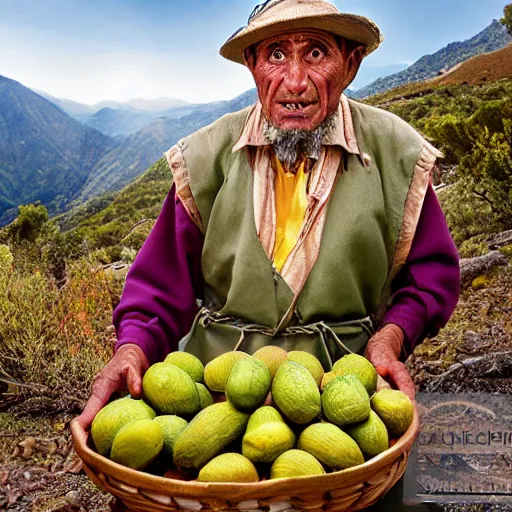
(93, 50)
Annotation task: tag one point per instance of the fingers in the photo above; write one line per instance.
(402, 379)
(123, 371)
(134, 382)
(98, 399)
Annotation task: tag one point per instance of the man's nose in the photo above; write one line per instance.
(296, 80)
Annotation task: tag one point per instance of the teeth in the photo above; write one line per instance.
(294, 106)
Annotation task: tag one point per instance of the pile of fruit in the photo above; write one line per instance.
(274, 414)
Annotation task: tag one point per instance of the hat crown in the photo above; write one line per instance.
(278, 9)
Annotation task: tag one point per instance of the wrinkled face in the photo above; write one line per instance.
(300, 77)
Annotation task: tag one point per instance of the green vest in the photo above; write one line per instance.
(245, 297)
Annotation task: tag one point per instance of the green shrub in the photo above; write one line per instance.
(57, 338)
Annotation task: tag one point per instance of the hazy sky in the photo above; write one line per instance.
(93, 50)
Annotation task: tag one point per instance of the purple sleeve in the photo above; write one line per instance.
(426, 290)
(158, 304)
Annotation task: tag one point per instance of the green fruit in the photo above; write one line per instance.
(248, 384)
(395, 409)
(354, 364)
(170, 389)
(309, 361)
(345, 401)
(295, 463)
(188, 363)
(217, 371)
(331, 446)
(371, 435)
(211, 430)
(172, 427)
(205, 396)
(112, 417)
(296, 393)
(265, 414)
(266, 442)
(229, 467)
(137, 444)
(272, 356)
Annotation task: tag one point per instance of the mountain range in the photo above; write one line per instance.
(492, 38)
(47, 155)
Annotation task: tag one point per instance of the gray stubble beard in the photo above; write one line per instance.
(292, 145)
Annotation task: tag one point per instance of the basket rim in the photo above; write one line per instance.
(276, 487)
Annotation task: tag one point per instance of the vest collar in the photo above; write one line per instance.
(342, 133)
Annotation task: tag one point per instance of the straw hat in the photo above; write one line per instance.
(275, 17)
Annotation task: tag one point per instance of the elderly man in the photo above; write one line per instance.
(306, 221)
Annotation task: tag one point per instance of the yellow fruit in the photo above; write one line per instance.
(328, 376)
(331, 446)
(265, 414)
(371, 435)
(294, 463)
(309, 361)
(266, 442)
(296, 393)
(360, 367)
(345, 401)
(171, 426)
(171, 390)
(211, 430)
(112, 417)
(188, 363)
(229, 467)
(137, 444)
(395, 409)
(217, 371)
(272, 356)
(248, 384)
(205, 396)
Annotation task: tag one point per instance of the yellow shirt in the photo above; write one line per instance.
(291, 204)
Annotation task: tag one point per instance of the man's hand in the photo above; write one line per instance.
(383, 351)
(124, 370)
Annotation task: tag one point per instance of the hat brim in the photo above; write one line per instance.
(349, 26)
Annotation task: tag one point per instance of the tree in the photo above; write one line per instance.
(507, 18)
(29, 223)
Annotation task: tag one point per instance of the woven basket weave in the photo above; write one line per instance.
(348, 490)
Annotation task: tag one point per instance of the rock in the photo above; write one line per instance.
(73, 499)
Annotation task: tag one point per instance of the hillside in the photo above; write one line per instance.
(138, 151)
(482, 69)
(45, 155)
(106, 221)
(490, 39)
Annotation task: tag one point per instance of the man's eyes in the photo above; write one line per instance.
(315, 53)
(277, 55)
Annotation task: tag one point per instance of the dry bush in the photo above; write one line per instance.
(54, 340)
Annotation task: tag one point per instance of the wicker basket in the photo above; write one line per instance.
(351, 489)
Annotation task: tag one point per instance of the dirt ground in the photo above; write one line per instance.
(40, 471)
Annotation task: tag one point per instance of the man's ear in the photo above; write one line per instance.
(250, 58)
(353, 63)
